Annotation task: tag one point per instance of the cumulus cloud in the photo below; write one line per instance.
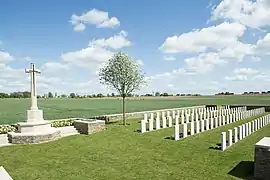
(254, 14)
(115, 42)
(94, 16)
(214, 37)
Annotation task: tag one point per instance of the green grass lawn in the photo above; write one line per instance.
(122, 153)
(14, 110)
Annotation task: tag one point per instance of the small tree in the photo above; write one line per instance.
(50, 95)
(122, 74)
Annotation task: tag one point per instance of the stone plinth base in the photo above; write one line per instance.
(33, 132)
(34, 137)
(29, 127)
(89, 127)
(34, 115)
(262, 159)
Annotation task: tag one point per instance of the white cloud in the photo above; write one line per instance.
(169, 58)
(214, 37)
(245, 71)
(263, 45)
(252, 13)
(87, 57)
(140, 62)
(5, 57)
(255, 59)
(96, 17)
(27, 59)
(237, 78)
(116, 42)
(203, 63)
(242, 74)
(79, 27)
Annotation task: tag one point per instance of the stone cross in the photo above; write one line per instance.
(32, 71)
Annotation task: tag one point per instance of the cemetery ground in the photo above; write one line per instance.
(13, 110)
(122, 153)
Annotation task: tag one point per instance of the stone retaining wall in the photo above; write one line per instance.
(262, 159)
(133, 115)
(32, 139)
(89, 127)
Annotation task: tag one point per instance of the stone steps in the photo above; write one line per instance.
(4, 140)
(68, 130)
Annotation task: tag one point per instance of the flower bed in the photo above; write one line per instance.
(62, 123)
(4, 129)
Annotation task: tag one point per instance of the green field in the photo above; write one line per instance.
(122, 153)
(14, 110)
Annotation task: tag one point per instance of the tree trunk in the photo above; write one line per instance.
(124, 111)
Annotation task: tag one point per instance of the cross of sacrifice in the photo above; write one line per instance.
(33, 72)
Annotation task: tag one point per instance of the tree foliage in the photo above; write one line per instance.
(122, 74)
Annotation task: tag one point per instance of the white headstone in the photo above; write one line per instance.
(243, 131)
(145, 117)
(163, 114)
(247, 129)
(4, 174)
(198, 127)
(176, 119)
(182, 119)
(176, 132)
(219, 121)
(207, 124)
(223, 120)
(157, 123)
(223, 141)
(158, 116)
(151, 124)
(143, 126)
(192, 127)
(164, 122)
(211, 123)
(168, 113)
(202, 126)
(235, 135)
(216, 122)
(187, 118)
(170, 121)
(230, 137)
(240, 132)
(192, 116)
(256, 125)
(184, 130)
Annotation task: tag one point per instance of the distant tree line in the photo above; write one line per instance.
(245, 93)
(26, 94)
(256, 92)
(225, 93)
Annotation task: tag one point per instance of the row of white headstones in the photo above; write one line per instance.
(243, 131)
(212, 123)
(186, 115)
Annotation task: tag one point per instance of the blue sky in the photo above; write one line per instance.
(213, 39)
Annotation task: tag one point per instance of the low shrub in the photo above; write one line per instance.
(4, 129)
(62, 123)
